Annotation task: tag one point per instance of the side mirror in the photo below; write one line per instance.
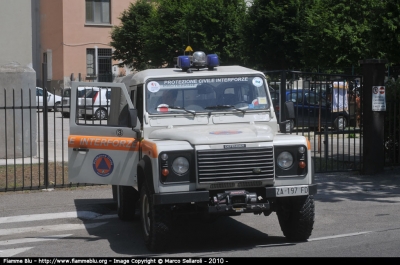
(285, 126)
(289, 109)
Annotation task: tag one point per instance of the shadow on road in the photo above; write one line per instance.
(187, 236)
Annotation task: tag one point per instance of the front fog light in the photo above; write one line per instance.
(180, 165)
(285, 160)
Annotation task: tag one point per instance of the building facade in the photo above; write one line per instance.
(75, 40)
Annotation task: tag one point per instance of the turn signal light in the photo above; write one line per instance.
(302, 164)
(165, 172)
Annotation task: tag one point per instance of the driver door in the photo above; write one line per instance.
(103, 151)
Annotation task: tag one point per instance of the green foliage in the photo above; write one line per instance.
(265, 34)
(151, 35)
(338, 33)
(392, 89)
(385, 30)
(272, 32)
(129, 38)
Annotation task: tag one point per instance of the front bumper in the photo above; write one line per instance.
(194, 197)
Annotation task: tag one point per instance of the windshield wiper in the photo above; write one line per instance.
(225, 107)
(179, 108)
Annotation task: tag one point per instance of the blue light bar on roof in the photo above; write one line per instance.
(212, 61)
(198, 60)
(183, 62)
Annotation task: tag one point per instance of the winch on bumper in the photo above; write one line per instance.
(234, 201)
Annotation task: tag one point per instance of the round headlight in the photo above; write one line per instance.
(285, 160)
(180, 165)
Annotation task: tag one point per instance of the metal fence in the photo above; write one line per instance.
(33, 141)
(327, 112)
(391, 133)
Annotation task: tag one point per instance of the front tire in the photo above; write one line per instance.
(155, 222)
(126, 202)
(296, 217)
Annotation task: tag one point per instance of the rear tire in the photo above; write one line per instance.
(296, 217)
(126, 202)
(101, 114)
(155, 222)
(340, 123)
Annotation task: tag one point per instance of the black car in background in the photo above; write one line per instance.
(312, 109)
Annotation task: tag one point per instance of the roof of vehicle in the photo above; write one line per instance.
(142, 76)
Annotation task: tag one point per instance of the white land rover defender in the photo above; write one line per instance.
(199, 138)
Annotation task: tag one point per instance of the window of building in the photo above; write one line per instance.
(103, 61)
(90, 62)
(98, 11)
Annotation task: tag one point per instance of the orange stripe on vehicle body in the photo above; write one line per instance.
(149, 148)
(103, 142)
(308, 144)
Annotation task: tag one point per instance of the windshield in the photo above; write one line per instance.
(206, 94)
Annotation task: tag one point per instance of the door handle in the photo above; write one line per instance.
(81, 149)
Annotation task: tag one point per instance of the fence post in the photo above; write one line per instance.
(372, 122)
(45, 125)
(282, 97)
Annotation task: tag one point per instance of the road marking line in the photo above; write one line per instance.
(12, 252)
(47, 216)
(48, 228)
(32, 240)
(339, 236)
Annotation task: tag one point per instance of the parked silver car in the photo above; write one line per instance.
(66, 96)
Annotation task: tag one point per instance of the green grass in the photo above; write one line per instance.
(32, 176)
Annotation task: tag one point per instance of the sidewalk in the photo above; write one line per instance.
(354, 182)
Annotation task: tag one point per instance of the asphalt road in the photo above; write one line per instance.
(356, 216)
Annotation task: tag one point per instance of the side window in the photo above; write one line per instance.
(94, 107)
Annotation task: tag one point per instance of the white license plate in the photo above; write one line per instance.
(285, 191)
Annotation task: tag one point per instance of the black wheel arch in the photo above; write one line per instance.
(145, 174)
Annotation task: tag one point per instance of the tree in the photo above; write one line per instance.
(211, 26)
(272, 33)
(337, 33)
(385, 31)
(152, 34)
(129, 38)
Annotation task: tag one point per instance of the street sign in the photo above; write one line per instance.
(378, 98)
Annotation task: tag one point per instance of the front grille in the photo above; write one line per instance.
(221, 165)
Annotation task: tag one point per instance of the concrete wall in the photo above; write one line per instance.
(18, 132)
(16, 32)
(18, 128)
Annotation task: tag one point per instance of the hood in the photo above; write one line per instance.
(217, 134)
